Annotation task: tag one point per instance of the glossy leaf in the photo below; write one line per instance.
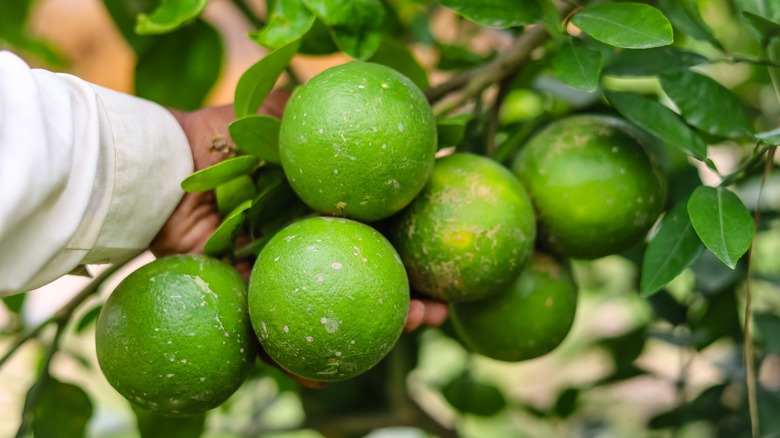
(470, 396)
(766, 28)
(496, 13)
(772, 137)
(258, 80)
(768, 325)
(652, 62)
(722, 222)
(670, 251)
(577, 65)
(257, 135)
(627, 25)
(88, 318)
(180, 68)
(685, 16)
(398, 57)
(356, 25)
(14, 303)
(706, 104)
(169, 16)
(453, 57)
(450, 131)
(233, 193)
(289, 21)
(63, 410)
(659, 121)
(125, 15)
(219, 173)
(221, 241)
(761, 16)
(152, 425)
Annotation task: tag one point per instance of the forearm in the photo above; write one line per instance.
(88, 174)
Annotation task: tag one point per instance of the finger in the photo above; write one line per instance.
(416, 315)
(435, 313)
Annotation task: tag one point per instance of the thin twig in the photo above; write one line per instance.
(64, 313)
(476, 80)
(749, 357)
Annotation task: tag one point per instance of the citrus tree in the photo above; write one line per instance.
(601, 218)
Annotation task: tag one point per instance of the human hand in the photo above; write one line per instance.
(196, 217)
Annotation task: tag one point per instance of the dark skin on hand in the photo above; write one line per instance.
(196, 217)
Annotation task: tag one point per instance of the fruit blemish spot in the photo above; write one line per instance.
(309, 339)
(336, 265)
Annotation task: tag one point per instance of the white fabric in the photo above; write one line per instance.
(87, 175)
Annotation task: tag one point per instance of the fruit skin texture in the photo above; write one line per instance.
(358, 140)
(595, 187)
(175, 337)
(530, 319)
(469, 232)
(328, 298)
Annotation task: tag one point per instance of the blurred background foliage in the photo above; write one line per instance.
(668, 365)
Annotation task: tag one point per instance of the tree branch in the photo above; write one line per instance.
(473, 82)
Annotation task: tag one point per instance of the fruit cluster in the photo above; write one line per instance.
(329, 294)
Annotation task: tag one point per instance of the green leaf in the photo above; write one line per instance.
(766, 28)
(169, 16)
(670, 251)
(15, 31)
(577, 65)
(496, 13)
(761, 16)
(470, 396)
(450, 131)
(152, 425)
(398, 57)
(769, 326)
(124, 14)
(221, 242)
(233, 193)
(180, 68)
(89, 317)
(627, 25)
(772, 137)
(659, 121)
(684, 15)
(458, 57)
(318, 40)
(722, 222)
(257, 135)
(566, 403)
(719, 320)
(258, 80)
(63, 410)
(720, 113)
(289, 21)
(276, 204)
(14, 303)
(219, 173)
(652, 62)
(356, 25)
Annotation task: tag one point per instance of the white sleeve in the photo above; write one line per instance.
(87, 175)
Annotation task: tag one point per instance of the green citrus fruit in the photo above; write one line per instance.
(529, 319)
(175, 337)
(358, 140)
(469, 232)
(328, 298)
(596, 188)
